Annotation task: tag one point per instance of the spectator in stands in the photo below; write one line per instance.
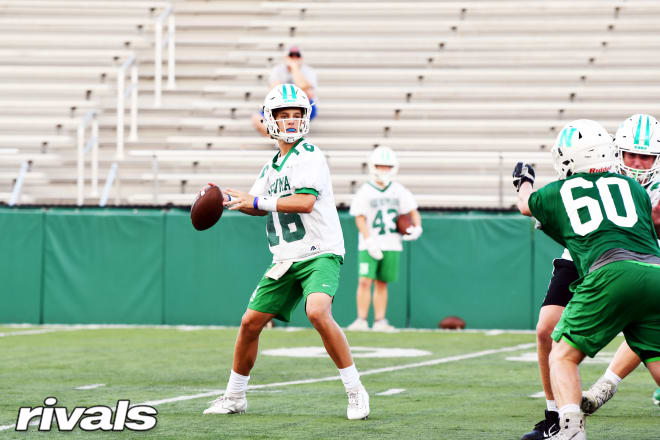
(291, 71)
(376, 207)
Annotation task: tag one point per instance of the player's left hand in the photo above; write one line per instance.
(523, 172)
(237, 200)
(412, 233)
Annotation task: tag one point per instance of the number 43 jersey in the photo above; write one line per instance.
(592, 213)
(381, 207)
(298, 237)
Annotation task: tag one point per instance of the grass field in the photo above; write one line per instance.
(464, 388)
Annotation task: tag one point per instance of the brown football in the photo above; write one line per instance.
(207, 208)
(452, 322)
(403, 222)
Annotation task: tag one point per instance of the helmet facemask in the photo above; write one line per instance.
(383, 156)
(639, 134)
(286, 96)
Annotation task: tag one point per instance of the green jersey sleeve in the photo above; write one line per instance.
(544, 204)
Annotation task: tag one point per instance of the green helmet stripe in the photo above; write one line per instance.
(648, 131)
(284, 92)
(639, 126)
(293, 92)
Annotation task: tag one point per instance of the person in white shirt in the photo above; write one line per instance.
(292, 71)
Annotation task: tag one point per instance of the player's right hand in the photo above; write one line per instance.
(373, 249)
(523, 172)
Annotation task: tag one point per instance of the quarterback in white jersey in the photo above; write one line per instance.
(292, 236)
(294, 192)
(637, 143)
(376, 207)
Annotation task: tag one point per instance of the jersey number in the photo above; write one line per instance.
(379, 223)
(593, 207)
(289, 233)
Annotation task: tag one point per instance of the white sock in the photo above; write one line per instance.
(612, 377)
(570, 408)
(552, 406)
(350, 377)
(237, 383)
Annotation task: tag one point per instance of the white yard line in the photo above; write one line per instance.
(90, 387)
(428, 363)
(391, 392)
(28, 332)
(362, 373)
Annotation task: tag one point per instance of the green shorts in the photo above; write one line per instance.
(621, 296)
(386, 270)
(280, 297)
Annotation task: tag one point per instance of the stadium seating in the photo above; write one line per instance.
(461, 90)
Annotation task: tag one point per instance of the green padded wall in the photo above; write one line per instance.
(21, 242)
(103, 266)
(150, 266)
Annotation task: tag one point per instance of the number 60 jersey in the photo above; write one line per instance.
(593, 213)
(298, 237)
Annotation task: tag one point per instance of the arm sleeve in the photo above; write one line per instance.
(358, 204)
(407, 200)
(536, 205)
(259, 187)
(654, 193)
(310, 174)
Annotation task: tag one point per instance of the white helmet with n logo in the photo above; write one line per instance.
(286, 96)
(383, 156)
(583, 146)
(639, 134)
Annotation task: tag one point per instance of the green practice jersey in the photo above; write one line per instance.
(592, 213)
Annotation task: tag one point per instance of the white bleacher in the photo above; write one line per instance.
(462, 90)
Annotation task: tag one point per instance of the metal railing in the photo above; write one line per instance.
(18, 185)
(159, 42)
(92, 144)
(122, 93)
(109, 181)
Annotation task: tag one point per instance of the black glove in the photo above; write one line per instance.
(523, 172)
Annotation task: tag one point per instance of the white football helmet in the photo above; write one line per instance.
(583, 146)
(383, 156)
(638, 134)
(286, 96)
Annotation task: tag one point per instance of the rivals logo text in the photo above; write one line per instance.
(136, 418)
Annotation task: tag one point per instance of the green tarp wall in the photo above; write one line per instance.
(149, 266)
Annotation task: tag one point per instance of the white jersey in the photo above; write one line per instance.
(653, 190)
(298, 237)
(381, 207)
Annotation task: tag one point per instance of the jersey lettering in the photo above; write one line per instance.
(573, 206)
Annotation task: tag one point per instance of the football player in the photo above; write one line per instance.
(635, 158)
(376, 207)
(294, 192)
(604, 220)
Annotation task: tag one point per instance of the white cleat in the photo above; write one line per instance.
(571, 427)
(228, 404)
(358, 404)
(383, 326)
(600, 392)
(359, 325)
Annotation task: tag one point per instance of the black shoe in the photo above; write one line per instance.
(546, 428)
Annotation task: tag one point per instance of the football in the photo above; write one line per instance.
(207, 207)
(403, 222)
(452, 323)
